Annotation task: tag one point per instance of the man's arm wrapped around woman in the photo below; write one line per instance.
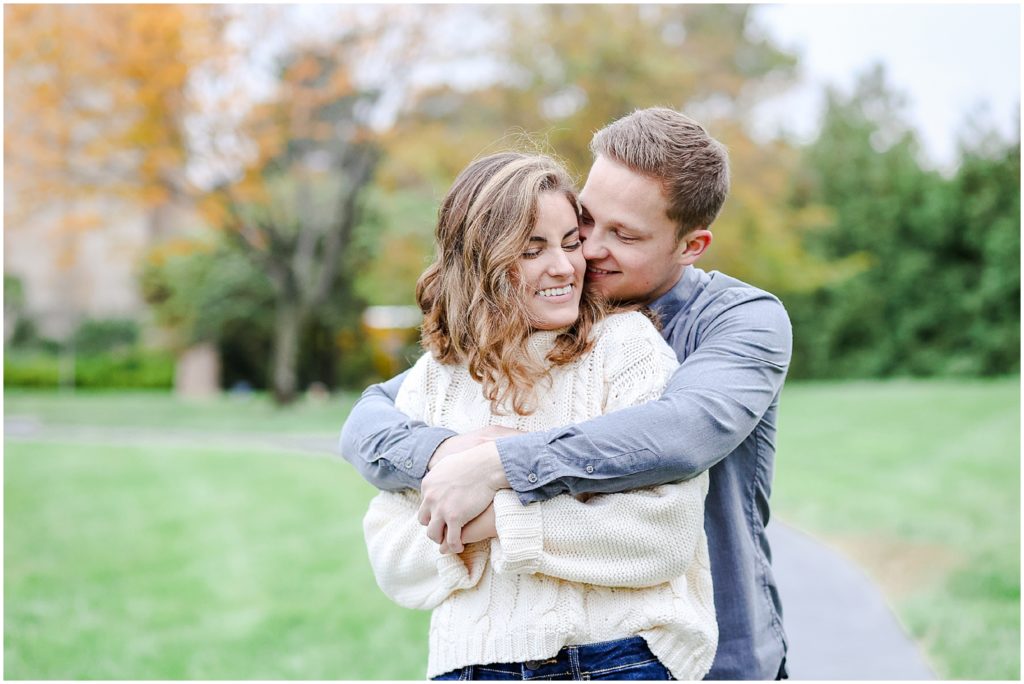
(639, 538)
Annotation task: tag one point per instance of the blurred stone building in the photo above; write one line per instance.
(69, 275)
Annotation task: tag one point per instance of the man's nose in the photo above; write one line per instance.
(594, 247)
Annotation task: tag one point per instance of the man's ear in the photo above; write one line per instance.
(693, 246)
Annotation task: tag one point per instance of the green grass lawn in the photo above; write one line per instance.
(157, 562)
(920, 482)
(149, 562)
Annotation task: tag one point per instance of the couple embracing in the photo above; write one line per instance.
(576, 472)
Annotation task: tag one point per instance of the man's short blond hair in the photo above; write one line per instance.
(676, 151)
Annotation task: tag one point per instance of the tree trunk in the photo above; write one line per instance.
(287, 325)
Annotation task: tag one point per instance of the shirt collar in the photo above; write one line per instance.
(680, 296)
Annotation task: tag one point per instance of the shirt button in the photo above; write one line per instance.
(408, 464)
(590, 468)
(532, 477)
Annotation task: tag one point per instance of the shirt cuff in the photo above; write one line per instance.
(520, 456)
(413, 461)
(520, 535)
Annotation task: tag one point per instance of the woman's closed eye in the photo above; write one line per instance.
(568, 247)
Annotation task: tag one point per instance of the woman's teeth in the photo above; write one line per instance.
(555, 291)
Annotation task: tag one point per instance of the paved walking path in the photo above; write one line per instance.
(28, 428)
(838, 622)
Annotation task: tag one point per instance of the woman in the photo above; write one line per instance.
(600, 587)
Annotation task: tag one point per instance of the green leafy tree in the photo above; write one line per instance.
(985, 205)
(934, 250)
(207, 291)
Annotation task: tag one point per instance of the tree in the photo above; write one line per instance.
(940, 293)
(586, 65)
(985, 205)
(96, 101)
(294, 209)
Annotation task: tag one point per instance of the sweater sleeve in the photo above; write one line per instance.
(408, 566)
(633, 539)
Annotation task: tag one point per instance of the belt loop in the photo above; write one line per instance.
(574, 663)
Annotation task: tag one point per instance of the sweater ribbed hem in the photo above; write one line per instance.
(689, 663)
(462, 571)
(477, 649)
(520, 535)
(452, 571)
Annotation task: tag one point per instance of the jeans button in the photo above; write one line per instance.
(532, 664)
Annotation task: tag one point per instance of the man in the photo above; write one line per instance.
(657, 183)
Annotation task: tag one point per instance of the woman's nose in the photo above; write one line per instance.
(560, 264)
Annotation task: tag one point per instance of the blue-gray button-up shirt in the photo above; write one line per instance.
(718, 412)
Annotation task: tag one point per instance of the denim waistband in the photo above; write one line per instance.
(583, 660)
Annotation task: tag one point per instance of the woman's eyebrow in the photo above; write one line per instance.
(538, 238)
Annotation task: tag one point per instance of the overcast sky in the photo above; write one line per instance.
(949, 60)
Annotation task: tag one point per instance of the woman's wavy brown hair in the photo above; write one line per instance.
(473, 300)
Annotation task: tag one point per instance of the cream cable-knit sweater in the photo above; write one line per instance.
(564, 571)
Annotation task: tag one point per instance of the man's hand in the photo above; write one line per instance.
(468, 440)
(457, 490)
(478, 529)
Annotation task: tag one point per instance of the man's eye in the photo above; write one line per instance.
(625, 238)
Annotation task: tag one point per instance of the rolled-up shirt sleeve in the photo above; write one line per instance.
(388, 448)
(714, 400)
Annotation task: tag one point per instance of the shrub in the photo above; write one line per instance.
(31, 369)
(136, 369)
(106, 335)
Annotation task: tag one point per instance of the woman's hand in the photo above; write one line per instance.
(478, 529)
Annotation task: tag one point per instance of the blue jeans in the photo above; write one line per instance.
(620, 659)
